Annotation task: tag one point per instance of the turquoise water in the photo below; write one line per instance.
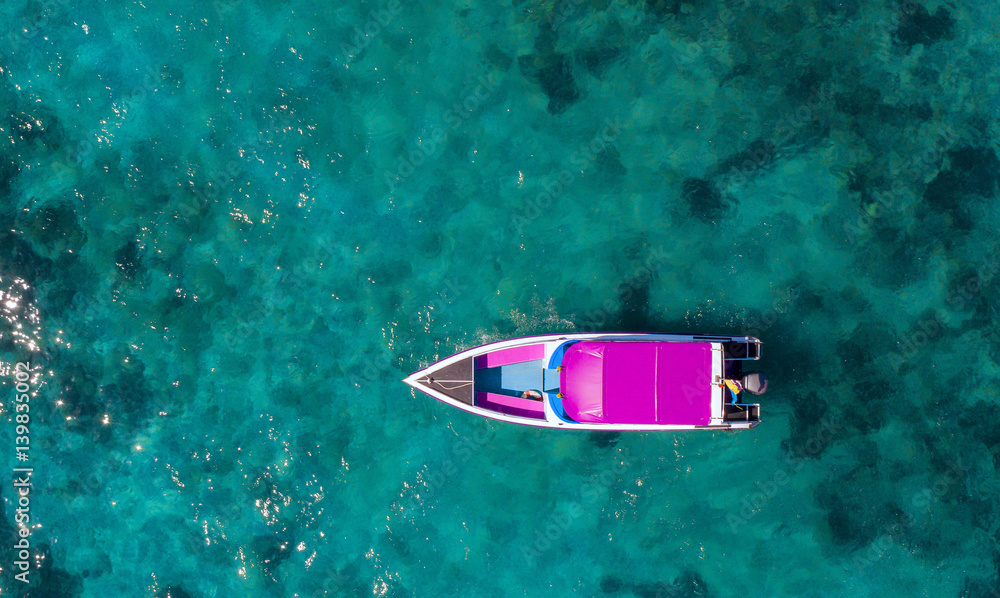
(229, 230)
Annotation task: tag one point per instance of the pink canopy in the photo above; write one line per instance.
(624, 382)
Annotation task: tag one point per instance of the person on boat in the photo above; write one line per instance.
(534, 395)
(735, 388)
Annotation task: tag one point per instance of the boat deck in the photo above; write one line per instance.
(511, 379)
(456, 381)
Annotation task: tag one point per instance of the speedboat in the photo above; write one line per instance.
(617, 381)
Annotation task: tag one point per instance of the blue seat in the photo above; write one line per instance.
(557, 407)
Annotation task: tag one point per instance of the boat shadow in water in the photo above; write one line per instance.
(633, 295)
(604, 439)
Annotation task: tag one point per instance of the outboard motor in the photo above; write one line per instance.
(755, 383)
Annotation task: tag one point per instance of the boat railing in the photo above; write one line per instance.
(741, 412)
(743, 351)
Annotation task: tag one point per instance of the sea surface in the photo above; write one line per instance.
(228, 230)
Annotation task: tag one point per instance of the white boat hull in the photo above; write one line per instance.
(459, 392)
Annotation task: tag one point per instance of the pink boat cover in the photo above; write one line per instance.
(510, 355)
(620, 382)
(510, 405)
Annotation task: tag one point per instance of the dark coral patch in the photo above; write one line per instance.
(597, 60)
(18, 257)
(704, 201)
(8, 172)
(49, 580)
(554, 74)
(272, 550)
(917, 26)
(863, 101)
(745, 164)
(872, 408)
(813, 427)
(127, 260)
(856, 511)
(552, 70)
(127, 400)
(439, 203)
(664, 9)
(974, 173)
